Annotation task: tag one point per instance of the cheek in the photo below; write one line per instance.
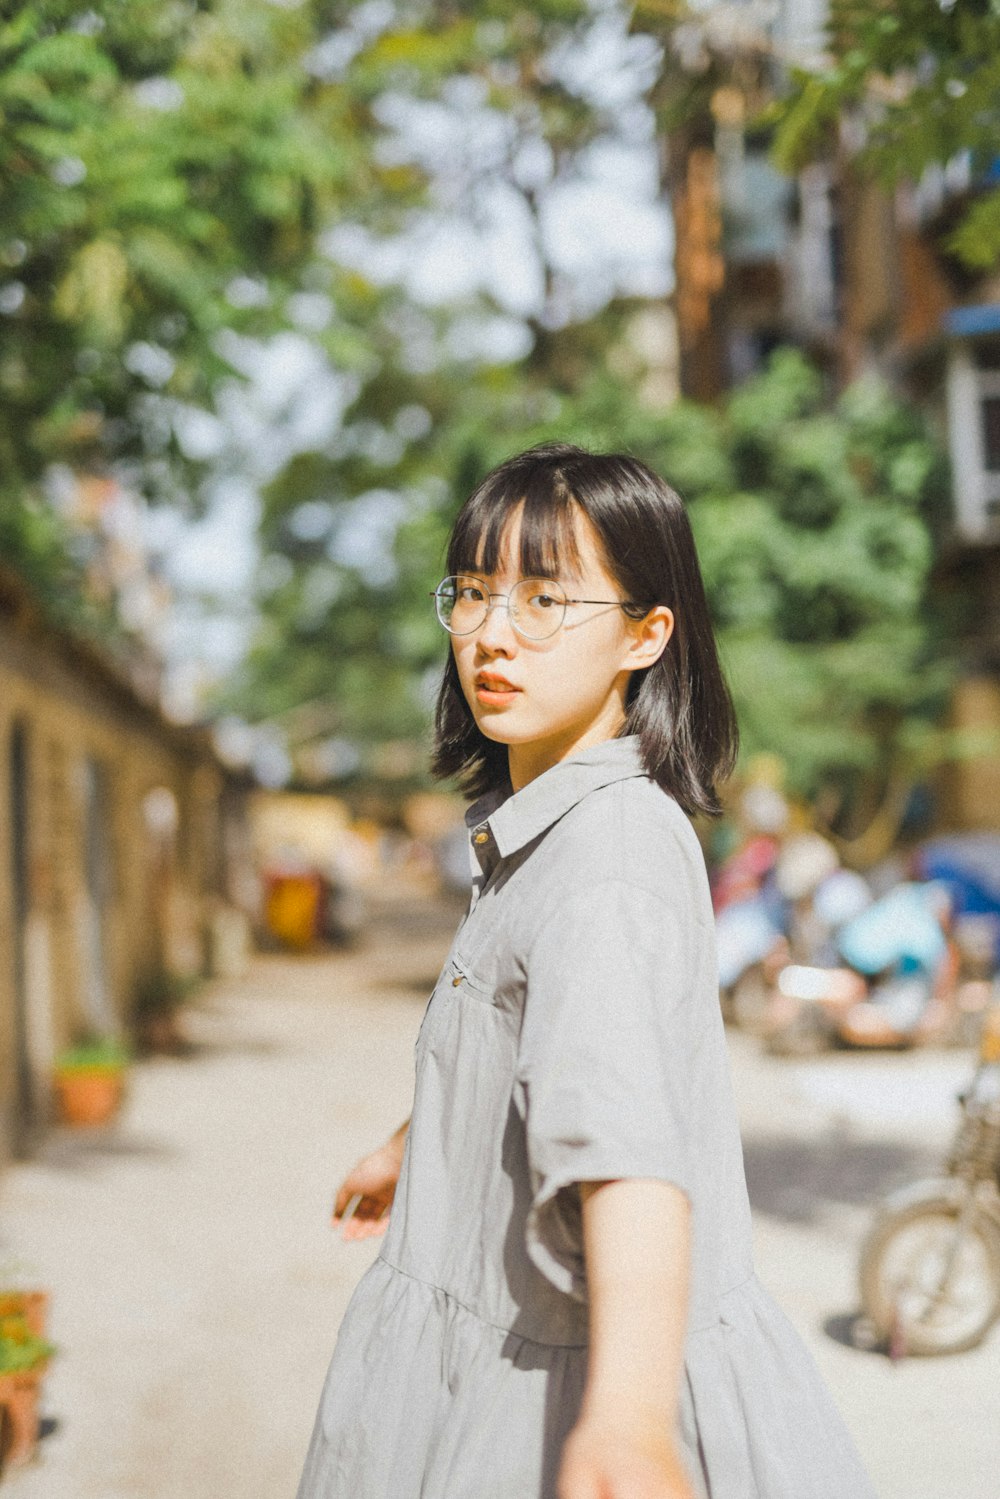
(592, 656)
(464, 655)
(582, 671)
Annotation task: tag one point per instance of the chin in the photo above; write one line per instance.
(499, 732)
(502, 731)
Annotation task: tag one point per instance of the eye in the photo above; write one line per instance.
(542, 601)
(470, 593)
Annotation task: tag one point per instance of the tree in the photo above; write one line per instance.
(811, 525)
(524, 95)
(912, 84)
(812, 522)
(165, 169)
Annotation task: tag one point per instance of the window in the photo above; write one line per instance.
(973, 396)
(990, 409)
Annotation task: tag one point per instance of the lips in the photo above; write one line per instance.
(493, 683)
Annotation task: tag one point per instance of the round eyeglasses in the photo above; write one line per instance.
(536, 606)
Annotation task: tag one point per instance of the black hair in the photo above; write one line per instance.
(680, 706)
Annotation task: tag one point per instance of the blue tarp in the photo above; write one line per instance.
(901, 931)
(969, 864)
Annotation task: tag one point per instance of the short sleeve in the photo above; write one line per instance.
(603, 1065)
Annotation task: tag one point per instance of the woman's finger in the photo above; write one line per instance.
(344, 1217)
(363, 1217)
(344, 1195)
(369, 1224)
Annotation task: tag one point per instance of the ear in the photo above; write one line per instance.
(648, 637)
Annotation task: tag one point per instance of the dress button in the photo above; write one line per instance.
(456, 981)
(481, 837)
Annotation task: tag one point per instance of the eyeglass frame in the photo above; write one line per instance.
(490, 596)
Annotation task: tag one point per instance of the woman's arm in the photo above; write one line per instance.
(636, 1236)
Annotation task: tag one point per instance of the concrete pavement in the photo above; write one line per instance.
(823, 1141)
(197, 1287)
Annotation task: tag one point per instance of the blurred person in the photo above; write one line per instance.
(763, 816)
(904, 944)
(564, 1305)
(750, 913)
(345, 909)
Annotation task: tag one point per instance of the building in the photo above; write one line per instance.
(860, 278)
(122, 849)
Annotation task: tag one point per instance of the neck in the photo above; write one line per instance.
(525, 762)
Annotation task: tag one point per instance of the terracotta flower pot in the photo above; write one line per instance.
(88, 1096)
(19, 1424)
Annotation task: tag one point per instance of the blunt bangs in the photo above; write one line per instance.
(547, 541)
(680, 707)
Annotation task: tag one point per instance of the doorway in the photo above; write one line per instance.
(97, 896)
(25, 1121)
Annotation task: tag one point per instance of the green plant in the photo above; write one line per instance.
(160, 993)
(21, 1350)
(95, 1054)
(918, 79)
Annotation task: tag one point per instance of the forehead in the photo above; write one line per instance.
(526, 544)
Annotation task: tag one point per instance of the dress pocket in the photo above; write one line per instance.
(464, 979)
(453, 978)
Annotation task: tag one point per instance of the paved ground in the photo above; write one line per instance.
(197, 1287)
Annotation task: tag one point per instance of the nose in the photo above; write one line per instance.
(496, 633)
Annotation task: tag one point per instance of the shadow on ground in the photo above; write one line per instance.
(419, 985)
(794, 1180)
(222, 1043)
(433, 916)
(91, 1148)
(853, 1330)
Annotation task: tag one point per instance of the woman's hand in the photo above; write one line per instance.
(605, 1461)
(373, 1182)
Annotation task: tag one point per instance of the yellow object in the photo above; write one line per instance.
(989, 1041)
(765, 769)
(292, 910)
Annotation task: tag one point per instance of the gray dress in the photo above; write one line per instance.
(574, 1035)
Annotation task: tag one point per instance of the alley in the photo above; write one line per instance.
(197, 1286)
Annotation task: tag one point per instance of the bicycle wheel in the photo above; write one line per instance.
(930, 1276)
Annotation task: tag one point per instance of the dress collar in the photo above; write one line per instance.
(512, 819)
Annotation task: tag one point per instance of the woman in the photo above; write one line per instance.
(564, 1303)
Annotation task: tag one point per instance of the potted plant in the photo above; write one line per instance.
(90, 1080)
(24, 1356)
(158, 998)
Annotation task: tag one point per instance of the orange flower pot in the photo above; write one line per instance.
(88, 1096)
(19, 1417)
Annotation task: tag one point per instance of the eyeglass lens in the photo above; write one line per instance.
(537, 605)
